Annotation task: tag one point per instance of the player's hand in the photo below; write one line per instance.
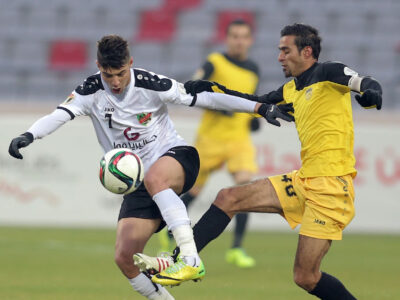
(271, 112)
(370, 99)
(194, 87)
(19, 142)
(254, 124)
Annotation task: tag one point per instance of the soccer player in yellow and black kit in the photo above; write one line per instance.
(221, 133)
(319, 196)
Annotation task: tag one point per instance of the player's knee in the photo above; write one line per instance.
(121, 259)
(124, 255)
(152, 182)
(305, 280)
(225, 200)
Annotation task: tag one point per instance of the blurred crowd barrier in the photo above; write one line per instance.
(48, 46)
(56, 184)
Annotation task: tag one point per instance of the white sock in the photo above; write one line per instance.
(184, 239)
(143, 285)
(172, 208)
(174, 213)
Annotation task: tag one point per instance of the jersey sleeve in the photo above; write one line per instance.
(205, 72)
(176, 93)
(76, 105)
(79, 102)
(340, 73)
(273, 97)
(47, 124)
(208, 69)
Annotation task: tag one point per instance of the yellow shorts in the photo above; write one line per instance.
(323, 206)
(238, 155)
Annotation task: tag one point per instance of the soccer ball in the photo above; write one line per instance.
(121, 171)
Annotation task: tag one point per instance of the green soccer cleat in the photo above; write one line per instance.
(178, 273)
(239, 258)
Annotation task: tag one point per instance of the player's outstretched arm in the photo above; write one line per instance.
(39, 129)
(194, 87)
(270, 112)
(370, 90)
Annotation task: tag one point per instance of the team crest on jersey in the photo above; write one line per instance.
(309, 94)
(69, 99)
(144, 118)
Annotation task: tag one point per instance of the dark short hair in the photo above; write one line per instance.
(306, 35)
(112, 52)
(238, 22)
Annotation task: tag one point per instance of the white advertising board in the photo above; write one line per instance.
(57, 184)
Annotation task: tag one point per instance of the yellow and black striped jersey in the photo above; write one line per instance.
(322, 108)
(242, 76)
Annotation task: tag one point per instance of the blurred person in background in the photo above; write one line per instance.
(224, 137)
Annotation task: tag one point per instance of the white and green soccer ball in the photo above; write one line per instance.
(121, 171)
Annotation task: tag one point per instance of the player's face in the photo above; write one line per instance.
(117, 79)
(238, 41)
(291, 59)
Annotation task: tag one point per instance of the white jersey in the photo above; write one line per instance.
(139, 120)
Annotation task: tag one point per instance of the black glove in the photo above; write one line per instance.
(19, 142)
(254, 124)
(369, 99)
(271, 112)
(193, 87)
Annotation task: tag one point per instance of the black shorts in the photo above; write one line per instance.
(139, 204)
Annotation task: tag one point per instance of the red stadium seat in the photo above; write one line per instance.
(156, 26)
(225, 17)
(179, 5)
(68, 55)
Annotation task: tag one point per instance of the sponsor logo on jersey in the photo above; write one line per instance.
(317, 221)
(69, 99)
(130, 134)
(144, 118)
(136, 145)
(309, 94)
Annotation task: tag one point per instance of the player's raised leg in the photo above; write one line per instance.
(164, 180)
(257, 196)
(132, 235)
(307, 274)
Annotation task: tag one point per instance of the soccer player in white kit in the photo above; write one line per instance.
(128, 108)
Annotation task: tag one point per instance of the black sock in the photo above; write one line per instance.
(330, 288)
(241, 222)
(187, 199)
(210, 226)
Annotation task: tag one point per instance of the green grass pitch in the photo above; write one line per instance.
(44, 264)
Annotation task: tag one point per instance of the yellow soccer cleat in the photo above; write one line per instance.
(178, 273)
(239, 258)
